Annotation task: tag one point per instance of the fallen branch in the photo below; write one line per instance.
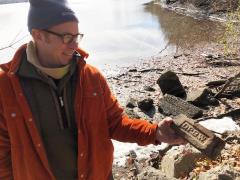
(189, 74)
(228, 82)
(14, 41)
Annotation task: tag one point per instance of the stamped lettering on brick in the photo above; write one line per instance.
(195, 133)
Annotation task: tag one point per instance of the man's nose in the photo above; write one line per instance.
(73, 44)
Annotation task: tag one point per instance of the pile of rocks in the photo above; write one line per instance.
(152, 93)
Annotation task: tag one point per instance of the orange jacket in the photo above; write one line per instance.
(99, 118)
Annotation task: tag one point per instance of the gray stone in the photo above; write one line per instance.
(222, 172)
(150, 173)
(171, 105)
(131, 103)
(179, 161)
(131, 113)
(169, 83)
(202, 97)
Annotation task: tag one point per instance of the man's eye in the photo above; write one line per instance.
(67, 38)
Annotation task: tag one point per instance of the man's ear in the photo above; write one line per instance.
(37, 35)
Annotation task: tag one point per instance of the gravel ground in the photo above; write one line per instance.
(193, 71)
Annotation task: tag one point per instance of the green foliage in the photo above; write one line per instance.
(231, 37)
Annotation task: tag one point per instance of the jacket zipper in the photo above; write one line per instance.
(67, 113)
(58, 104)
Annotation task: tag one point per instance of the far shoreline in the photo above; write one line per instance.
(12, 1)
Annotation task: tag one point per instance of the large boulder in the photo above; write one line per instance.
(169, 83)
(179, 161)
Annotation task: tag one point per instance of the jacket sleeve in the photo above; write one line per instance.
(121, 127)
(5, 150)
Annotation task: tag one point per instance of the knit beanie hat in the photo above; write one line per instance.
(43, 14)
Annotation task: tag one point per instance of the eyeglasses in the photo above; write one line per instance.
(67, 38)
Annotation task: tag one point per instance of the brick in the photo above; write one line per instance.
(197, 135)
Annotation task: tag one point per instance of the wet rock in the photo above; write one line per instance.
(146, 104)
(169, 83)
(222, 172)
(202, 97)
(179, 161)
(171, 105)
(131, 103)
(150, 173)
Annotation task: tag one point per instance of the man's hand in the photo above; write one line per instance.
(166, 134)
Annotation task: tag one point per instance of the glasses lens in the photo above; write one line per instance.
(79, 37)
(68, 38)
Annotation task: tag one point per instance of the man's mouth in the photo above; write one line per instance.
(68, 54)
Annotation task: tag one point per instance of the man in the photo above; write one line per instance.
(57, 114)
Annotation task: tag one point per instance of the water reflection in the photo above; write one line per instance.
(116, 31)
(184, 31)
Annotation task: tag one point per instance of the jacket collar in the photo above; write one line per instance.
(17, 58)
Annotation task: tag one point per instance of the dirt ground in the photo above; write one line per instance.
(193, 71)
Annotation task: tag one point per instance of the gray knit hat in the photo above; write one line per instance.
(46, 13)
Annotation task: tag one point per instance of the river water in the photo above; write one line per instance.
(116, 31)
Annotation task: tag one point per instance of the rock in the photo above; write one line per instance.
(146, 104)
(171, 1)
(216, 83)
(131, 103)
(132, 154)
(132, 70)
(169, 83)
(131, 113)
(148, 88)
(222, 172)
(202, 97)
(150, 173)
(171, 105)
(154, 160)
(179, 161)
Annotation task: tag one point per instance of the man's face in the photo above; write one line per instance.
(52, 51)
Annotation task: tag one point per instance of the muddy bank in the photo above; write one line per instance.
(190, 65)
(216, 10)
